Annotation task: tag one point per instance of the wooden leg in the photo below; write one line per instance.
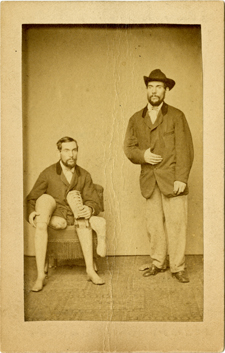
(86, 242)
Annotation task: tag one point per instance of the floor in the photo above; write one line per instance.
(126, 296)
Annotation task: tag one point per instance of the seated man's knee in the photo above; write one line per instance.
(45, 202)
(103, 221)
(98, 223)
(45, 206)
(58, 222)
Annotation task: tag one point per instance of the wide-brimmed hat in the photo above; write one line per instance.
(158, 75)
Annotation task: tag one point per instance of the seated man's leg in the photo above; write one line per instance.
(85, 237)
(86, 242)
(57, 222)
(98, 224)
(45, 205)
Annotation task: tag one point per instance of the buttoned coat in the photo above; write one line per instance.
(169, 137)
(52, 181)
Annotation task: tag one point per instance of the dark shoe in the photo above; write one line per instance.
(153, 270)
(181, 277)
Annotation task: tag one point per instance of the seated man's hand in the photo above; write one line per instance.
(179, 187)
(85, 212)
(32, 217)
(152, 158)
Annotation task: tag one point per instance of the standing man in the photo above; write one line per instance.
(159, 139)
(64, 192)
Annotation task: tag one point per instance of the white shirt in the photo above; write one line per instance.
(153, 111)
(67, 172)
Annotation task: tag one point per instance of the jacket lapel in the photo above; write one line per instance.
(146, 117)
(159, 119)
(61, 174)
(74, 180)
(64, 180)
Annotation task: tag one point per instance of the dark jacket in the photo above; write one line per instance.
(52, 181)
(170, 137)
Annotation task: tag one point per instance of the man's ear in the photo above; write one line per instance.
(167, 88)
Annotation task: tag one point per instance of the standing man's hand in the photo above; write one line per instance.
(32, 217)
(179, 187)
(85, 212)
(152, 158)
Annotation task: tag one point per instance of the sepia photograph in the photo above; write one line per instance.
(96, 87)
(112, 183)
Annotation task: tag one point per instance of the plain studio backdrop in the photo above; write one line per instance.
(86, 82)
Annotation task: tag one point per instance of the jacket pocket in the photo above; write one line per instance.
(168, 133)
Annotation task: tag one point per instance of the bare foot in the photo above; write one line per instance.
(94, 278)
(101, 247)
(39, 284)
(144, 267)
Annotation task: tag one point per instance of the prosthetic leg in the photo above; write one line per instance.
(99, 226)
(45, 206)
(84, 233)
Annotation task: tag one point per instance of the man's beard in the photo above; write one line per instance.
(155, 103)
(69, 165)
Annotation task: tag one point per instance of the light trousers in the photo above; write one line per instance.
(167, 226)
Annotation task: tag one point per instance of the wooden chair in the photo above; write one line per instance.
(63, 244)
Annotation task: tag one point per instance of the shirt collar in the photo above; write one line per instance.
(65, 169)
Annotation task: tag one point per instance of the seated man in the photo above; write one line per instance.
(62, 192)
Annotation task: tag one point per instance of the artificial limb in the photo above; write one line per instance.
(84, 233)
(98, 224)
(86, 241)
(45, 205)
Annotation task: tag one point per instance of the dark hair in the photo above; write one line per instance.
(65, 139)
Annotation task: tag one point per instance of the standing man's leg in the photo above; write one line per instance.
(175, 209)
(156, 232)
(45, 205)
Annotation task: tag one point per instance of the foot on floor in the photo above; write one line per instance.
(94, 278)
(181, 277)
(153, 271)
(39, 284)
